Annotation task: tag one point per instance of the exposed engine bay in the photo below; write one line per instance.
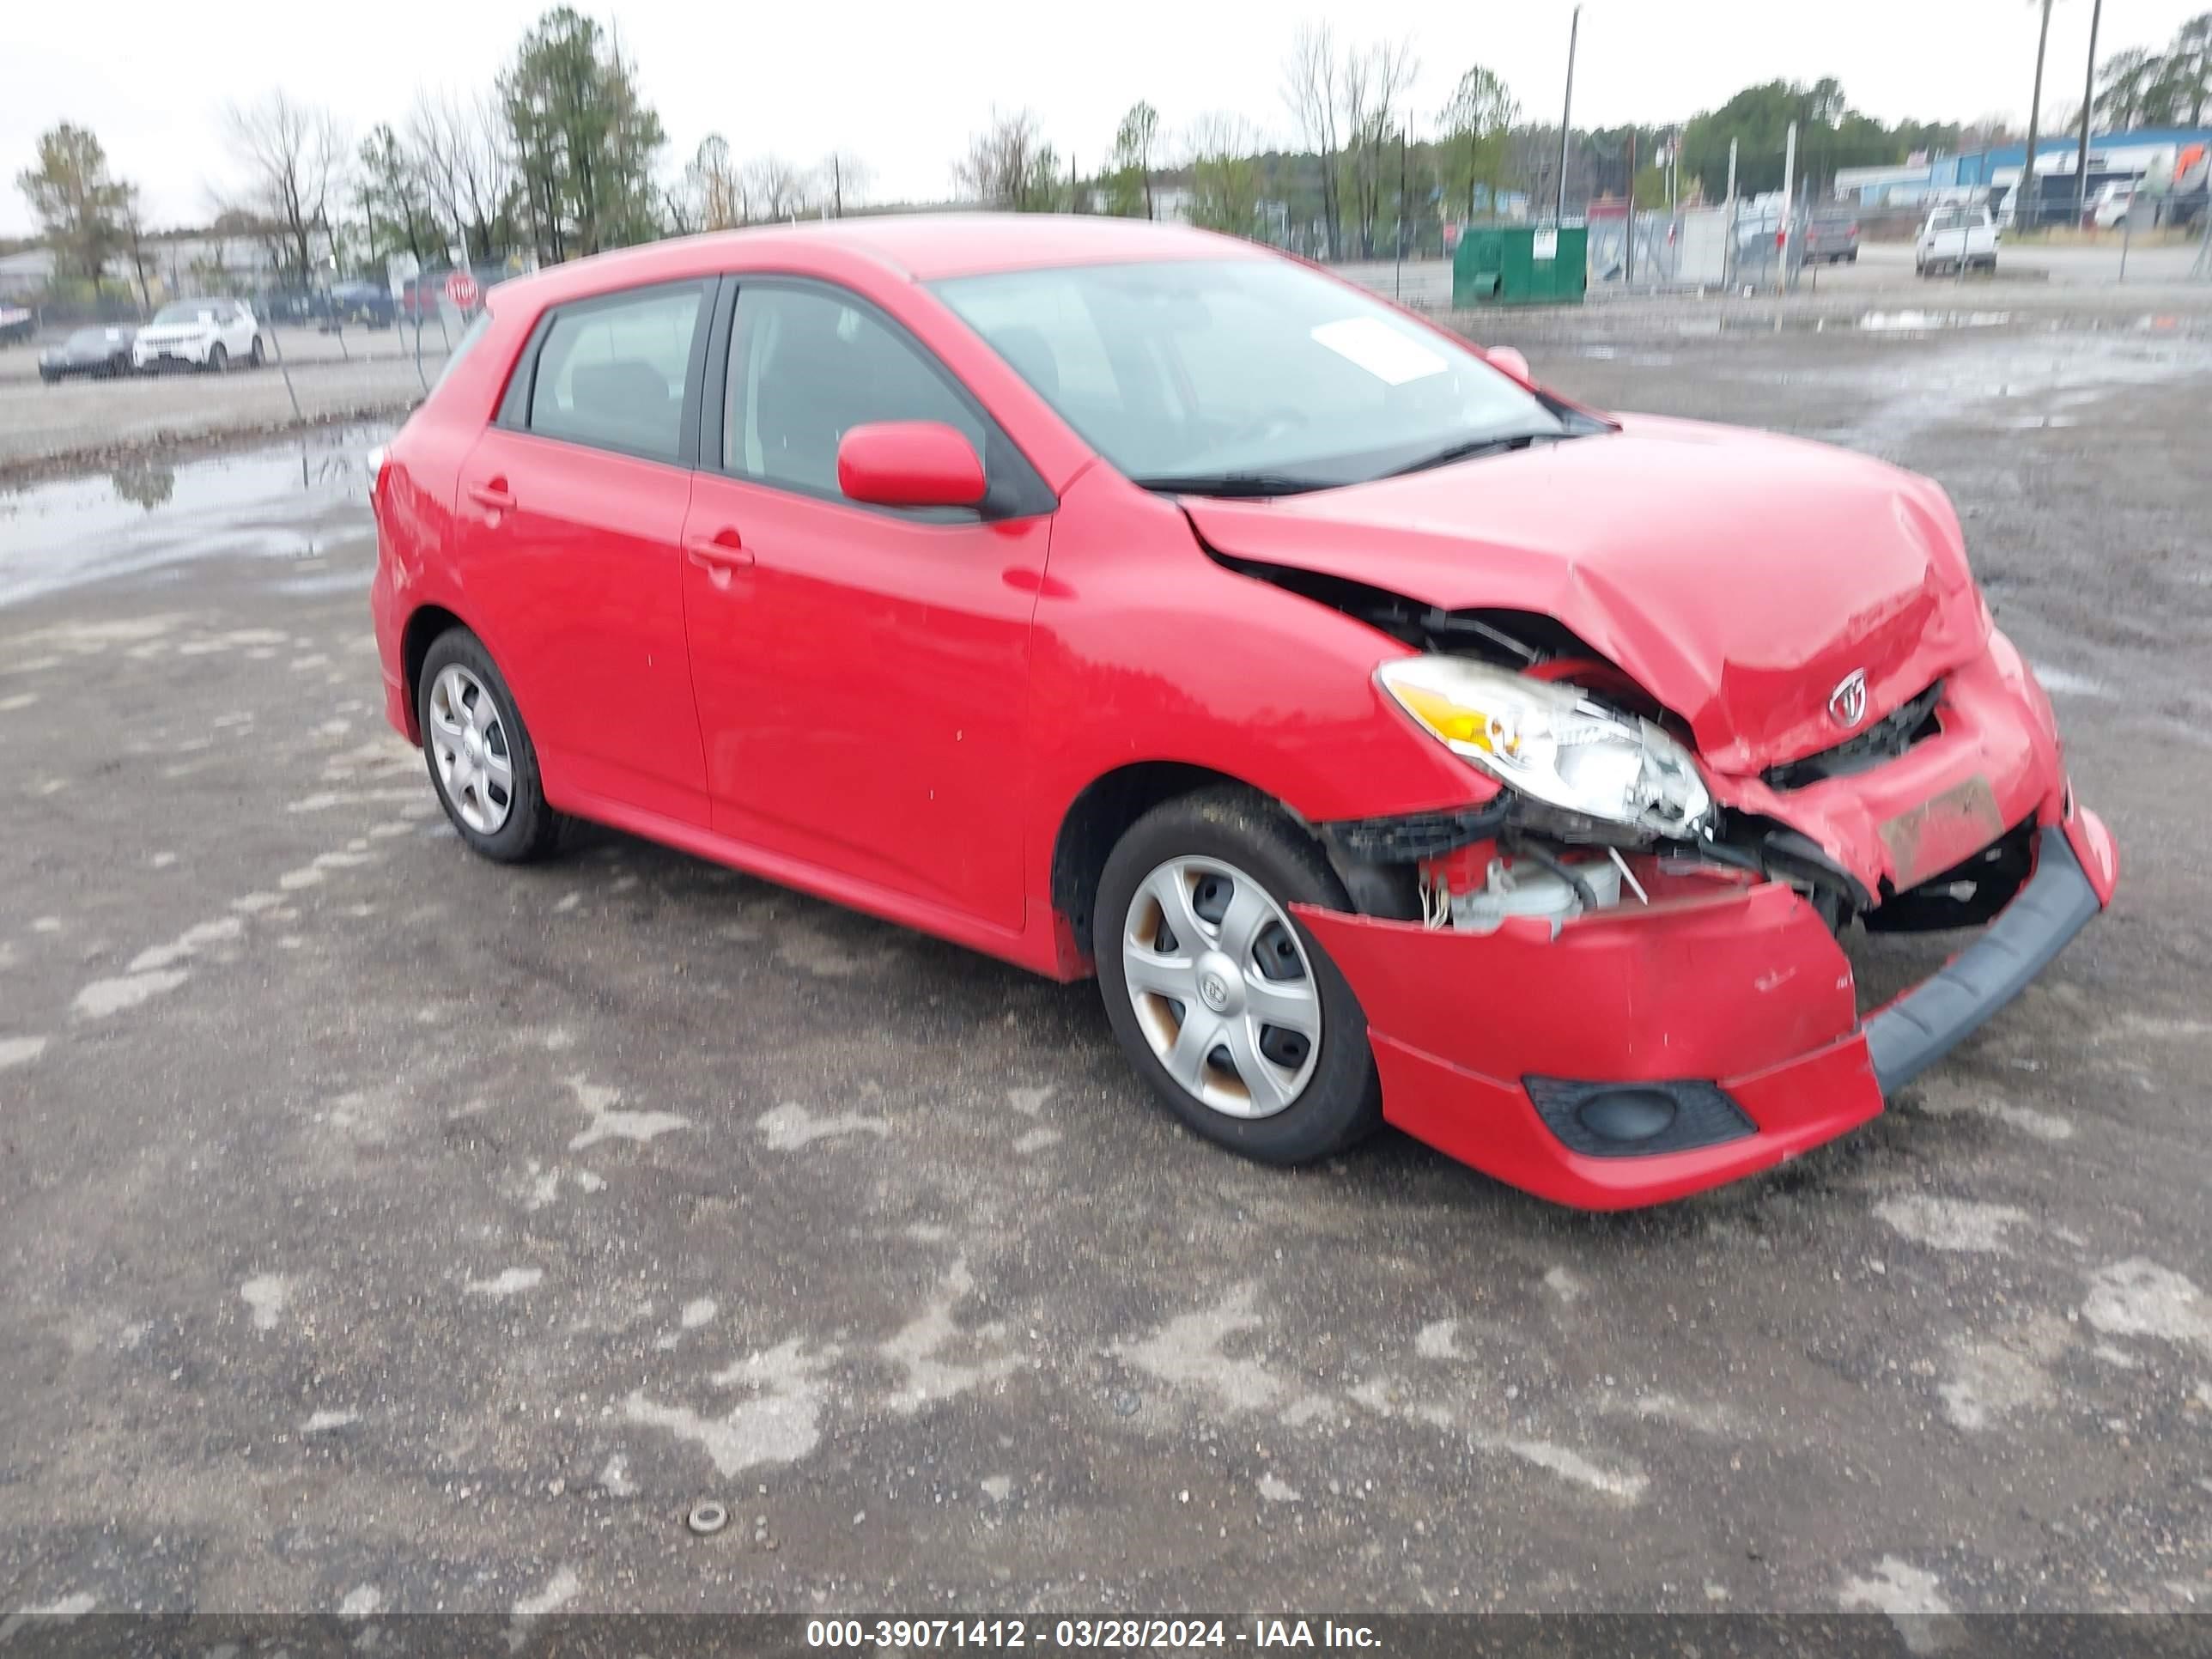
(1517, 857)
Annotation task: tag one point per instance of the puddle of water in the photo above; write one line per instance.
(288, 501)
(2008, 382)
(1921, 322)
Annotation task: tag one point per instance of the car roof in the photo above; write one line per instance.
(923, 247)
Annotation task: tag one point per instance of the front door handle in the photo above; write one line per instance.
(718, 554)
(493, 495)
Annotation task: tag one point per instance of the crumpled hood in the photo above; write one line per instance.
(1738, 576)
(174, 333)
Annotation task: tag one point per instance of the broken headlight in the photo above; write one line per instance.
(1552, 743)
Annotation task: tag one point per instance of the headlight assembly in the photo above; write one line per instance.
(1552, 743)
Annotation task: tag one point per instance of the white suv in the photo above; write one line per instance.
(210, 334)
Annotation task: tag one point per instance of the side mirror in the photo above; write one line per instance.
(908, 463)
(1511, 362)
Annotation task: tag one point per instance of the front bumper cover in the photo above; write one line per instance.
(1746, 991)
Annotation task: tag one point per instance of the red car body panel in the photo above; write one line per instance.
(1684, 554)
(1748, 988)
(901, 715)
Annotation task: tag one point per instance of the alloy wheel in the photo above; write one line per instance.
(1222, 988)
(468, 741)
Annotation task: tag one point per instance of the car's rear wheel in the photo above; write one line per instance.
(1223, 1003)
(218, 358)
(482, 762)
(256, 357)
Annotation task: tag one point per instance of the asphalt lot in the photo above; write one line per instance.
(385, 1230)
(360, 372)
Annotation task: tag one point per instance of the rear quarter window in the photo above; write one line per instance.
(614, 372)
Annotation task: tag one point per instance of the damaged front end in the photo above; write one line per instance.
(1618, 1005)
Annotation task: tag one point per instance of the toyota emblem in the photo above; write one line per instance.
(1847, 702)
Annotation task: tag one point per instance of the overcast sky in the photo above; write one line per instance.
(903, 84)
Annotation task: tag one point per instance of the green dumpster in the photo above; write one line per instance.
(1520, 265)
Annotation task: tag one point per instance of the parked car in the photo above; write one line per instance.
(292, 304)
(208, 334)
(1951, 235)
(17, 324)
(420, 301)
(2113, 203)
(1824, 234)
(94, 352)
(1394, 738)
(1831, 235)
(368, 304)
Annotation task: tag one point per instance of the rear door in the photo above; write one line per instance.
(862, 672)
(571, 512)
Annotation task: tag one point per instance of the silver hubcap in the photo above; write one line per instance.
(1222, 988)
(468, 742)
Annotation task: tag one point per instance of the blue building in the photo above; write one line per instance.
(2128, 155)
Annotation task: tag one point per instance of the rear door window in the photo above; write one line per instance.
(615, 371)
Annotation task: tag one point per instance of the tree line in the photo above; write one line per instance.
(2173, 88)
(564, 156)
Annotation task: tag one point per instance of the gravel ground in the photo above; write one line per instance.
(386, 1231)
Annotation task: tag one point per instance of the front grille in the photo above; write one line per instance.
(1884, 740)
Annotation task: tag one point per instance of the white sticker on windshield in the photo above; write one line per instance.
(1389, 355)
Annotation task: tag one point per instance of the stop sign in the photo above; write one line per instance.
(461, 289)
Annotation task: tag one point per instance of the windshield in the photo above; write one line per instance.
(192, 311)
(1242, 370)
(91, 339)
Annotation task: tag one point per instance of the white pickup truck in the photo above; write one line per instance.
(1953, 236)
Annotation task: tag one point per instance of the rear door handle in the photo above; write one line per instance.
(492, 494)
(720, 553)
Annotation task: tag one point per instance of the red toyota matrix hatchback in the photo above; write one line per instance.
(1394, 740)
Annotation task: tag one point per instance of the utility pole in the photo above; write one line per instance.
(1566, 115)
(1788, 206)
(2088, 100)
(1728, 253)
(2025, 201)
(1398, 275)
(1628, 219)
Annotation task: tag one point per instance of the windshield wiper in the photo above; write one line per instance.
(1229, 484)
(1467, 449)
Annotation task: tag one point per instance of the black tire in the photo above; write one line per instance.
(533, 828)
(1342, 1100)
(218, 358)
(255, 357)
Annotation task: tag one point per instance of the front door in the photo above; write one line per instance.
(572, 513)
(861, 671)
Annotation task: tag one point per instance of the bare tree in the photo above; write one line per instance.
(1309, 88)
(1225, 174)
(134, 229)
(1009, 166)
(844, 178)
(294, 156)
(461, 152)
(717, 191)
(775, 189)
(1373, 84)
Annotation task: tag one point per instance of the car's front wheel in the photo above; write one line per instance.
(482, 762)
(256, 356)
(1230, 1011)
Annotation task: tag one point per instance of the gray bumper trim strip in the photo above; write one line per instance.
(1925, 1024)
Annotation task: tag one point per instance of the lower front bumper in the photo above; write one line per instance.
(1746, 990)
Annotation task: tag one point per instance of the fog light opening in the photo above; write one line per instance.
(1627, 1115)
